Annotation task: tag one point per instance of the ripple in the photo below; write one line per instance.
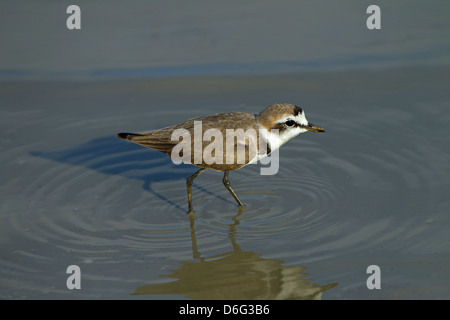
(113, 196)
(105, 206)
(337, 194)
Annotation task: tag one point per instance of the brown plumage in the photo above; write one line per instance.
(160, 139)
(287, 119)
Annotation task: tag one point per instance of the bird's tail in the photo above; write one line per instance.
(156, 142)
(128, 136)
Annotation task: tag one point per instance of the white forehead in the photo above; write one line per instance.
(299, 118)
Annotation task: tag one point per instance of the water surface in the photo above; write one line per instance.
(371, 190)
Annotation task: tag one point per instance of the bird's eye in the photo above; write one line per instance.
(289, 123)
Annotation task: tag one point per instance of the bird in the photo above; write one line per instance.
(255, 137)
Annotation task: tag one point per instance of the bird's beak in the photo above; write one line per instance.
(313, 128)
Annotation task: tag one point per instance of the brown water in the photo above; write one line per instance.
(372, 190)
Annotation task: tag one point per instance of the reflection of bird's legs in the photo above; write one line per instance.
(227, 185)
(195, 253)
(232, 230)
(189, 182)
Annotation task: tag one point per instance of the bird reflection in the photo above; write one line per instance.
(236, 275)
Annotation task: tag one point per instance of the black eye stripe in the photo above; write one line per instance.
(281, 126)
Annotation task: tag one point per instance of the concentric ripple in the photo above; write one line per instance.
(104, 202)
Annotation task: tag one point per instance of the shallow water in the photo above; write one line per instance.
(372, 190)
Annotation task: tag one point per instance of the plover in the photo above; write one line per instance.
(274, 126)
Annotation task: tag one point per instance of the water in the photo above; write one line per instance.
(372, 190)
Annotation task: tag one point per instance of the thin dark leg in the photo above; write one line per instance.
(189, 182)
(227, 185)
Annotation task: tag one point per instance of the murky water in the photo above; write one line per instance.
(372, 190)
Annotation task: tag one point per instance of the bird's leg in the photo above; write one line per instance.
(227, 185)
(189, 182)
